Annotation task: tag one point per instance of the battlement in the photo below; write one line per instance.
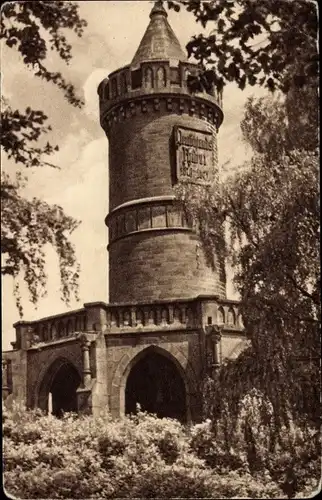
(154, 79)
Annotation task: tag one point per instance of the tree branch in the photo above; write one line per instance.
(302, 290)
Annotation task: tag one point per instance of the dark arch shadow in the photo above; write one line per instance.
(155, 383)
(62, 380)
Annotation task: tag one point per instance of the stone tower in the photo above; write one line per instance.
(168, 322)
(159, 133)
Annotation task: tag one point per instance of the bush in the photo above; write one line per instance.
(146, 457)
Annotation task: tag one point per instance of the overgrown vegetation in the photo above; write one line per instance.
(272, 214)
(33, 29)
(270, 209)
(272, 43)
(146, 457)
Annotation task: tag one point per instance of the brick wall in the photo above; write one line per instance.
(40, 361)
(122, 354)
(160, 265)
(139, 153)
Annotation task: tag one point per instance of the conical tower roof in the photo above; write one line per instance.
(159, 41)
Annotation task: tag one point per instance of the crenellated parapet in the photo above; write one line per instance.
(156, 86)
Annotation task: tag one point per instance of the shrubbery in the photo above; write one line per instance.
(146, 457)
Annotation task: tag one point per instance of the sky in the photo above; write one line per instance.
(80, 186)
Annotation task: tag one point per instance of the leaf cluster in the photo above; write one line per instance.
(271, 209)
(20, 136)
(142, 456)
(28, 226)
(255, 43)
(33, 28)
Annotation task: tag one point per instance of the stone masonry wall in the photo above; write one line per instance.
(183, 348)
(160, 265)
(40, 360)
(141, 154)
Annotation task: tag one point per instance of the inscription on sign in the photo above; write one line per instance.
(194, 155)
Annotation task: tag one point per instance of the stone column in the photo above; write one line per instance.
(215, 338)
(213, 333)
(5, 381)
(86, 363)
(50, 403)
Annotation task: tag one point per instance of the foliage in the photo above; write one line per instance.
(255, 42)
(19, 132)
(28, 226)
(33, 29)
(247, 437)
(146, 457)
(272, 214)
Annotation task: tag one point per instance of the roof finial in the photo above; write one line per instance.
(158, 9)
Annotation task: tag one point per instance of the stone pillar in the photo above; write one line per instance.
(96, 316)
(5, 379)
(86, 364)
(50, 404)
(213, 338)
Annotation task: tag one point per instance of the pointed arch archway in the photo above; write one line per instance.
(61, 381)
(147, 366)
(155, 383)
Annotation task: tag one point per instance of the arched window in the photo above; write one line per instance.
(126, 318)
(164, 317)
(177, 315)
(240, 321)
(60, 330)
(231, 319)
(107, 91)
(114, 319)
(221, 316)
(139, 317)
(189, 316)
(151, 317)
(69, 327)
(45, 333)
(114, 88)
(130, 221)
(187, 73)
(80, 324)
(149, 83)
(123, 82)
(161, 77)
(121, 224)
(53, 332)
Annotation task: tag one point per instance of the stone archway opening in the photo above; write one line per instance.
(58, 392)
(63, 390)
(155, 383)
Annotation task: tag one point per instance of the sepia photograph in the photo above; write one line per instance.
(160, 245)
